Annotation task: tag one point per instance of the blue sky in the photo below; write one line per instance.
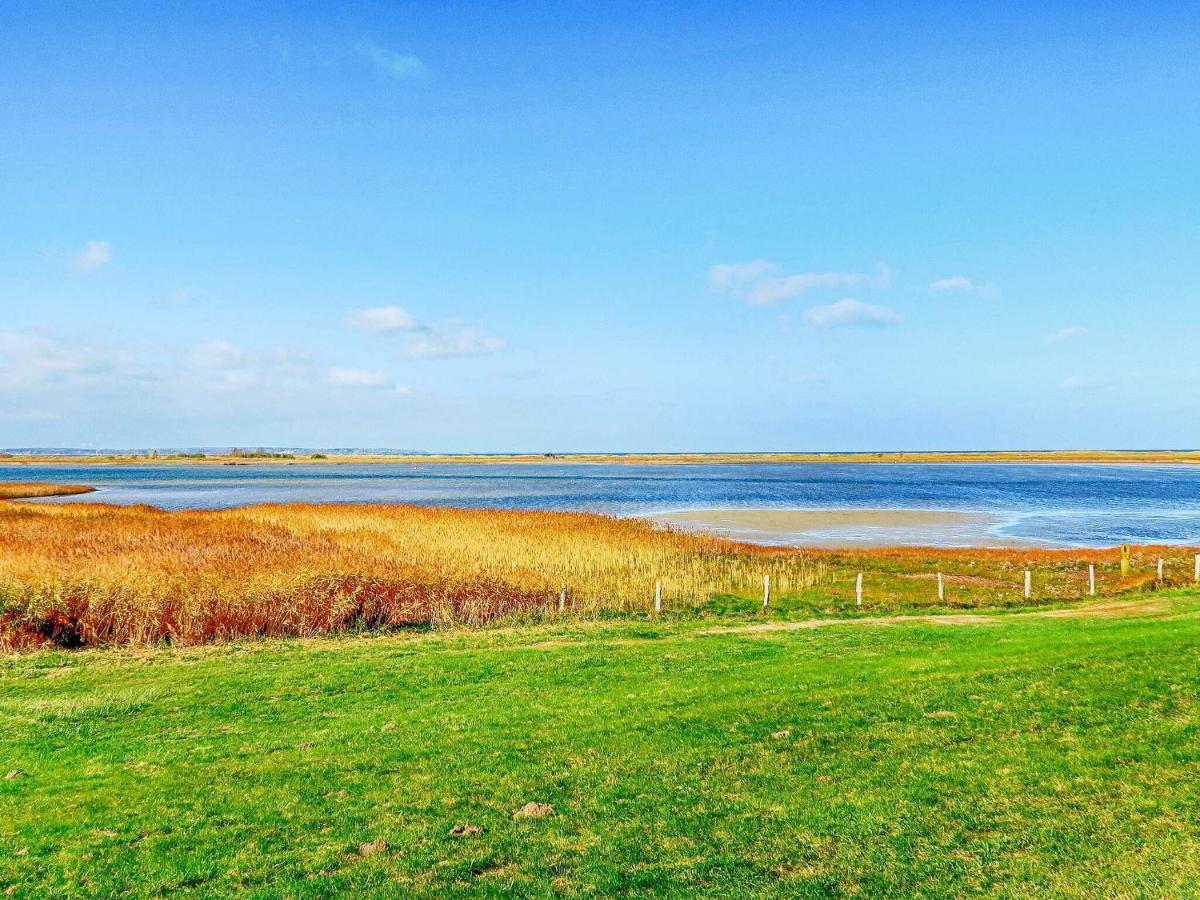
(600, 226)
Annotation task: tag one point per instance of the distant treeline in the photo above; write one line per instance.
(236, 453)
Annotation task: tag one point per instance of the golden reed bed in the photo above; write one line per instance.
(91, 574)
(86, 574)
(24, 490)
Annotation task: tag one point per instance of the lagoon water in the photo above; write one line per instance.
(1084, 505)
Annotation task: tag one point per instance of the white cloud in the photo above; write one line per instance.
(850, 313)
(356, 378)
(760, 282)
(93, 256)
(179, 295)
(1068, 333)
(221, 355)
(383, 318)
(441, 342)
(396, 66)
(1080, 383)
(961, 284)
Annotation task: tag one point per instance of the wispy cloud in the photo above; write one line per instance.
(1080, 383)
(93, 256)
(516, 375)
(345, 377)
(850, 313)
(961, 284)
(382, 318)
(177, 296)
(361, 378)
(28, 359)
(445, 341)
(226, 366)
(802, 378)
(393, 65)
(760, 282)
(33, 362)
(220, 355)
(1068, 333)
(236, 380)
(425, 341)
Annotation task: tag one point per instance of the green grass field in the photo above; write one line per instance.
(1038, 755)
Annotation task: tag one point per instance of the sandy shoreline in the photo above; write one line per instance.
(844, 527)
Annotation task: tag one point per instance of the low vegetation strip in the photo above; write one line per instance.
(76, 575)
(1039, 756)
(33, 489)
(238, 457)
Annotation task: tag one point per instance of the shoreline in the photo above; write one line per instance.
(983, 457)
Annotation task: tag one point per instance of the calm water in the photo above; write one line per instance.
(1084, 505)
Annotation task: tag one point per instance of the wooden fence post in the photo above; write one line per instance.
(858, 590)
(1028, 584)
(1124, 560)
(657, 597)
(1197, 575)
(1160, 568)
(1092, 579)
(766, 590)
(941, 587)
(562, 598)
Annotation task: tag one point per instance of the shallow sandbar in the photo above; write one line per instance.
(843, 527)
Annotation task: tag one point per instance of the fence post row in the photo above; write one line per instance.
(941, 583)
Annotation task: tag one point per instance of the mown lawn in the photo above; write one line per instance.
(1033, 756)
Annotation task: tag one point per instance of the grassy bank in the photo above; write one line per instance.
(1032, 756)
(93, 574)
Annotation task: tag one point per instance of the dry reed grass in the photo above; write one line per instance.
(17, 490)
(87, 574)
(92, 574)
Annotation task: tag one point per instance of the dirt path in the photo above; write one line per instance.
(1109, 609)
